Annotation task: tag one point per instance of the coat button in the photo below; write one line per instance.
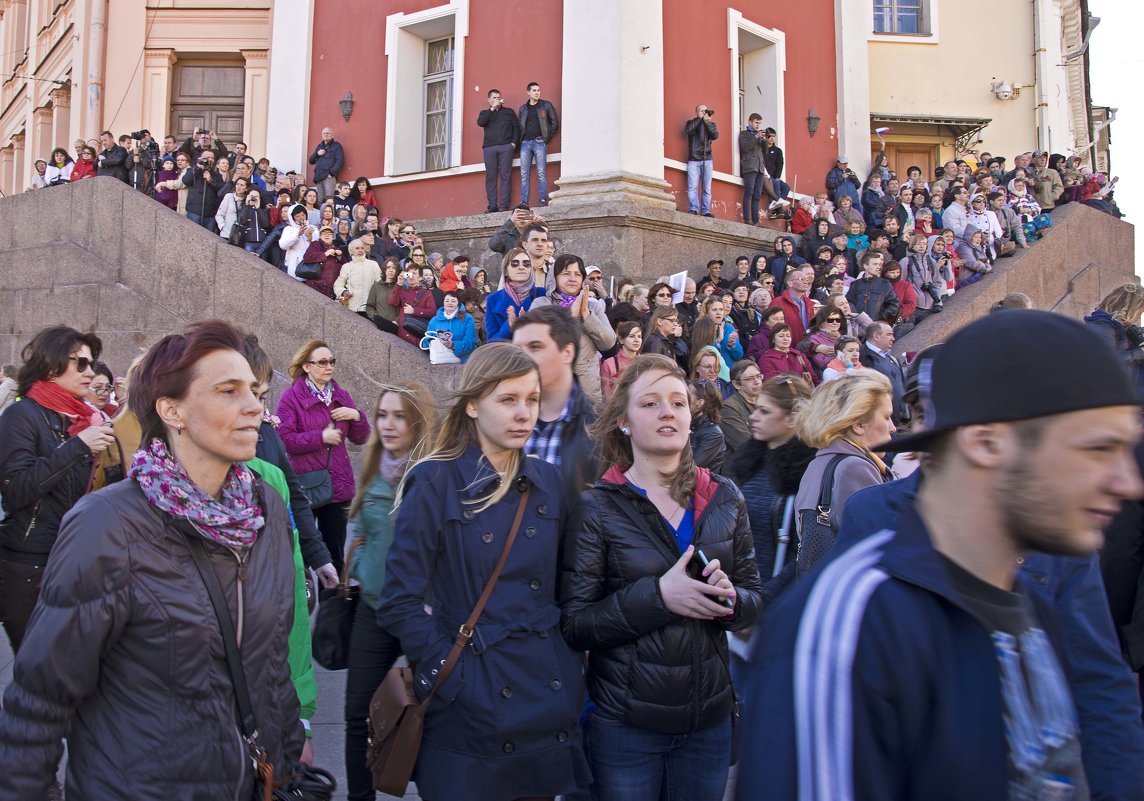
(555, 684)
(530, 532)
(506, 692)
(509, 748)
(542, 509)
(487, 537)
(543, 635)
(562, 736)
(534, 584)
(467, 514)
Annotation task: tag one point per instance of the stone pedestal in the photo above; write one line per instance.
(631, 238)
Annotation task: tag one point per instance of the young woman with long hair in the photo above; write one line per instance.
(636, 595)
(404, 417)
(504, 725)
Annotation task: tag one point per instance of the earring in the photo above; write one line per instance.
(627, 432)
(179, 430)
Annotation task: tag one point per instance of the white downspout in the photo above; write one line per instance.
(96, 62)
(1040, 71)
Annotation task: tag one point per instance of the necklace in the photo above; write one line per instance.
(678, 511)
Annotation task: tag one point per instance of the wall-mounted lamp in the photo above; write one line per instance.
(347, 104)
(812, 121)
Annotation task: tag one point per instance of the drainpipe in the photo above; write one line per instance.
(96, 63)
(1040, 70)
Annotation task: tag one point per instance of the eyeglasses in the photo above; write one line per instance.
(408, 231)
(81, 363)
(768, 283)
(324, 362)
(834, 320)
(519, 263)
(664, 294)
(102, 390)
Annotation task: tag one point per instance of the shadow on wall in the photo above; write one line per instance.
(97, 255)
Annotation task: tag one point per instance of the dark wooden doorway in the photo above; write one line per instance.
(903, 155)
(208, 95)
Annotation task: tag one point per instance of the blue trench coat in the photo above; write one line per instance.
(505, 724)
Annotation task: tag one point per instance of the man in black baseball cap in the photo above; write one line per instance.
(714, 273)
(926, 632)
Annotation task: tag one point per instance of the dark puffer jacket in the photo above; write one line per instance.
(649, 667)
(124, 658)
(43, 472)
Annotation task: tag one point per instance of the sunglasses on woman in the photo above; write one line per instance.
(520, 263)
(81, 363)
(324, 362)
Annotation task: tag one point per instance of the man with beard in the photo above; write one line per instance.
(915, 652)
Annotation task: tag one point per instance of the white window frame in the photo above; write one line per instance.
(930, 16)
(427, 79)
(401, 34)
(737, 23)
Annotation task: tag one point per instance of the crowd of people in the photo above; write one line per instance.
(660, 528)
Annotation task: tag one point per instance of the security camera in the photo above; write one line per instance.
(1004, 90)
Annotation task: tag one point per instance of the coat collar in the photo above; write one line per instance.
(705, 486)
(473, 465)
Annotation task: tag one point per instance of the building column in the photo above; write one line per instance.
(853, 66)
(7, 170)
(158, 64)
(256, 100)
(19, 169)
(43, 137)
(287, 110)
(61, 117)
(612, 92)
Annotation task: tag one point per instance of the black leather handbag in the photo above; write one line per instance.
(330, 641)
(815, 536)
(317, 485)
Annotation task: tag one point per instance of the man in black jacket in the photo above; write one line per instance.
(701, 132)
(202, 196)
(202, 141)
(871, 293)
(876, 355)
(328, 159)
(112, 159)
(538, 124)
(773, 160)
(502, 135)
(751, 168)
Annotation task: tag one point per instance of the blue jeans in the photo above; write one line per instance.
(695, 171)
(752, 191)
(206, 222)
(781, 187)
(529, 149)
(634, 764)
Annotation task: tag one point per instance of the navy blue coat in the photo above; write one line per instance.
(505, 724)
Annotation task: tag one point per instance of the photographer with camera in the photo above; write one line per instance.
(842, 180)
(144, 160)
(1117, 318)
(701, 132)
(201, 141)
(203, 184)
(753, 143)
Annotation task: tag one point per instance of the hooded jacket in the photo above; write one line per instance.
(649, 667)
(777, 265)
(127, 660)
(921, 269)
(461, 327)
(976, 257)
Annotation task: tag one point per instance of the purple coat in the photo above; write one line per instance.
(303, 419)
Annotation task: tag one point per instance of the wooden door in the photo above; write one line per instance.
(904, 155)
(210, 96)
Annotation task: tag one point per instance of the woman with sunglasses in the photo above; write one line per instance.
(48, 444)
(84, 166)
(505, 305)
(317, 417)
(664, 335)
(825, 329)
(99, 391)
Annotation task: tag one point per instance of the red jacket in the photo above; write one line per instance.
(800, 220)
(907, 297)
(793, 362)
(791, 315)
(83, 168)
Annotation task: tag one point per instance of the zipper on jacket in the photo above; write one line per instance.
(32, 524)
(241, 558)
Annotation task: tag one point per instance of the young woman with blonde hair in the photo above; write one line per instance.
(504, 724)
(639, 594)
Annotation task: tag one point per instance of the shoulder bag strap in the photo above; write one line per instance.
(825, 496)
(229, 640)
(466, 631)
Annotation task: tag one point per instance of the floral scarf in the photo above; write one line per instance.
(235, 521)
(519, 293)
(326, 395)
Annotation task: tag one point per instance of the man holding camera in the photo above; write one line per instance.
(201, 141)
(701, 132)
(502, 136)
(752, 166)
(144, 157)
(841, 180)
(328, 159)
(203, 193)
(112, 160)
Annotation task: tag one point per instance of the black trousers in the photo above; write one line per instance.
(373, 651)
(498, 165)
(388, 326)
(19, 590)
(332, 519)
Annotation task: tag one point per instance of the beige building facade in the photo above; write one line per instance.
(929, 71)
(71, 69)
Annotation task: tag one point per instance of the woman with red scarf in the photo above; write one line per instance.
(48, 443)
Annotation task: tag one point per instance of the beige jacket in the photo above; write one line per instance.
(357, 276)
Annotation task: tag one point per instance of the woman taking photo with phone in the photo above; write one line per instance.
(48, 443)
(503, 724)
(404, 418)
(636, 595)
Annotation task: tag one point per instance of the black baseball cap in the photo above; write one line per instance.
(1016, 364)
(714, 261)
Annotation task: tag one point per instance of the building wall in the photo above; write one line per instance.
(951, 75)
(698, 69)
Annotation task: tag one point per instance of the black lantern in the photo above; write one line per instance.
(347, 104)
(812, 121)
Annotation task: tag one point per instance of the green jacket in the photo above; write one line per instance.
(301, 662)
(373, 524)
